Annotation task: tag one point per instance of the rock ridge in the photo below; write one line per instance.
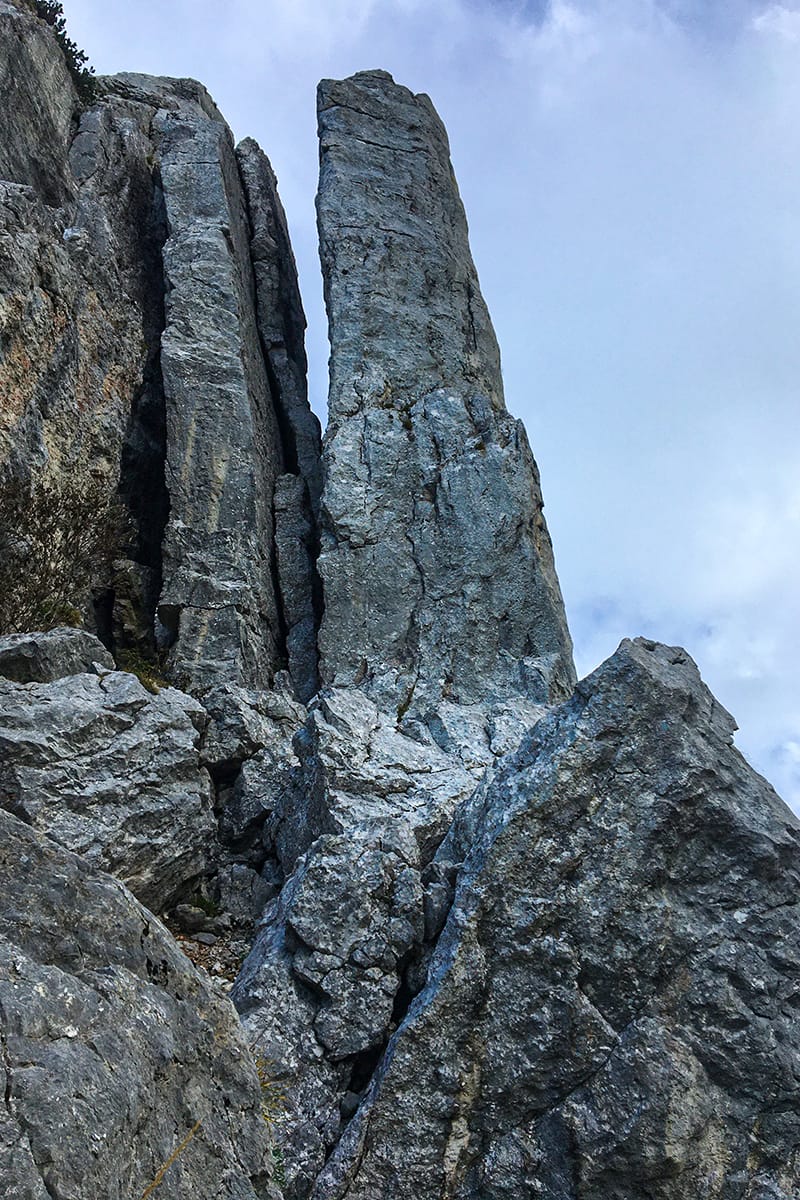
(153, 262)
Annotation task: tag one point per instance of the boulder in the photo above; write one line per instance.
(118, 1057)
(113, 773)
(45, 657)
(610, 1010)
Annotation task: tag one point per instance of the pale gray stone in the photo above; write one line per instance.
(610, 1009)
(504, 950)
(356, 826)
(242, 722)
(244, 893)
(437, 568)
(113, 773)
(45, 657)
(218, 599)
(113, 1047)
(132, 333)
(281, 326)
(280, 317)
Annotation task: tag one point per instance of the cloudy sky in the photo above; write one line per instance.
(631, 173)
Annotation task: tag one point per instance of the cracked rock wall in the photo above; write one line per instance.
(153, 338)
(516, 937)
(437, 567)
(611, 1008)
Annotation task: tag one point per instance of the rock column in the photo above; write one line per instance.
(437, 566)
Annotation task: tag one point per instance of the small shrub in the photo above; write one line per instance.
(278, 1166)
(56, 536)
(209, 907)
(146, 670)
(273, 1109)
(52, 11)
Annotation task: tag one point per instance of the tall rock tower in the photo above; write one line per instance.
(437, 566)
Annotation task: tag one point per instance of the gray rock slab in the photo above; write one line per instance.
(37, 89)
(611, 1008)
(45, 657)
(113, 1048)
(437, 568)
(218, 605)
(360, 773)
(113, 773)
(242, 722)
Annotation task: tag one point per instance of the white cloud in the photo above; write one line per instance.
(779, 20)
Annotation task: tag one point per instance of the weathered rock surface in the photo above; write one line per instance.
(280, 317)
(343, 947)
(75, 271)
(223, 444)
(113, 1047)
(505, 949)
(153, 340)
(281, 326)
(37, 89)
(242, 723)
(611, 1008)
(248, 748)
(45, 657)
(436, 563)
(443, 632)
(113, 773)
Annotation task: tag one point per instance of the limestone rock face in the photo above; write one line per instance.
(223, 444)
(37, 89)
(342, 947)
(436, 563)
(611, 1008)
(443, 634)
(514, 937)
(77, 269)
(248, 749)
(45, 657)
(153, 340)
(280, 317)
(111, 772)
(113, 1048)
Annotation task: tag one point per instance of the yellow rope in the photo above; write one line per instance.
(176, 1153)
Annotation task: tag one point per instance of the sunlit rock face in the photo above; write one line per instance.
(612, 999)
